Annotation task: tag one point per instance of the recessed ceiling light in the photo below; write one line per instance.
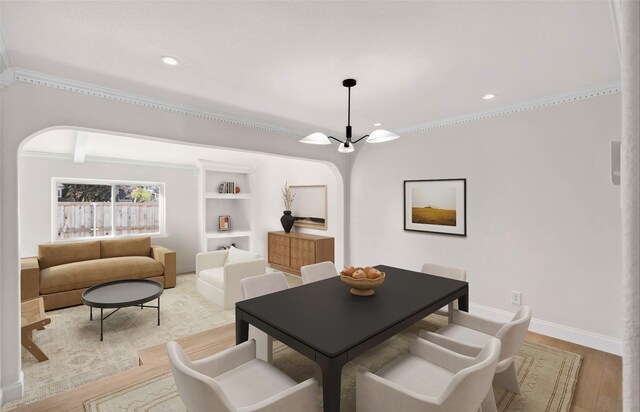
(377, 124)
(488, 96)
(171, 61)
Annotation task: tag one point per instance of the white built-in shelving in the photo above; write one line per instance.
(238, 206)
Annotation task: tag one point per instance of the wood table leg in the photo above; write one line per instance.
(331, 381)
(463, 302)
(242, 328)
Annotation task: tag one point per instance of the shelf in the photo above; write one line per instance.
(233, 233)
(211, 195)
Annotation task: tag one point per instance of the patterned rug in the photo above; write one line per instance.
(547, 377)
(76, 355)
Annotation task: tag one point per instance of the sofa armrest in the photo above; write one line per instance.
(209, 260)
(29, 278)
(168, 259)
(234, 273)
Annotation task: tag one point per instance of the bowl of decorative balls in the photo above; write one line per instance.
(362, 280)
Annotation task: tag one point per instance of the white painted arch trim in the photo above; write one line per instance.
(566, 333)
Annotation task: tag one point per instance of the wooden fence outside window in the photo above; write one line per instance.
(84, 219)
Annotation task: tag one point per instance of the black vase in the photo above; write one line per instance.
(287, 221)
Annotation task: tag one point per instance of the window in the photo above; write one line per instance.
(107, 209)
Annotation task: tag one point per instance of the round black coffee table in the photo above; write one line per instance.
(120, 294)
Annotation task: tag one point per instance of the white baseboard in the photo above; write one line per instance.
(186, 269)
(580, 337)
(12, 392)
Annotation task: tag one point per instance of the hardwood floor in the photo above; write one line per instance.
(599, 386)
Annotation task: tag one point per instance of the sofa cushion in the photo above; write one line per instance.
(213, 276)
(61, 253)
(132, 246)
(80, 275)
(238, 255)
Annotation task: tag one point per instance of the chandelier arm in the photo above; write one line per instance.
(337, 140)
(366, 135)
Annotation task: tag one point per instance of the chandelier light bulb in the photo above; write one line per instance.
(343, 148)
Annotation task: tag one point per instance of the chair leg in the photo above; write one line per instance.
(450, 312)
(489, 402)
(29, 345)
(508, 379)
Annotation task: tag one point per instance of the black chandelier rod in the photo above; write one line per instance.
(348, 83)
(349, 109)
(348, 141)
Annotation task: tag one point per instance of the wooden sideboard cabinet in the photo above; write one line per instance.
(290, 251)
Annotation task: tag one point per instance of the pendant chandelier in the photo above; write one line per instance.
(346, 146)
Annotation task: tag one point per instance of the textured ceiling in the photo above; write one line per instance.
(282, 63)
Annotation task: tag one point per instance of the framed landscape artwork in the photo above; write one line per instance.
(310, 206)
(436, 206)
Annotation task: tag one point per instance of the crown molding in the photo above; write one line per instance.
(73, 86)
(10, 76)
(110, 160)
(517, 108)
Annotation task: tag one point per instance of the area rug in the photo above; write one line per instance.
(547, 377)
(76, 355)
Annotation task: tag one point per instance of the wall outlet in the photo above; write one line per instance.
(516, 298)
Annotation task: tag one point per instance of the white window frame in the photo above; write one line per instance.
(73, 180)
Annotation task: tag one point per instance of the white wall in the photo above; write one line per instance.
(270, 175)
(35, 175)
(542, 215)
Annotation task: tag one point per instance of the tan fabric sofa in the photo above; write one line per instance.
(62, 271)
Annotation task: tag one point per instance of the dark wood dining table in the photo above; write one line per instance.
(326, 323)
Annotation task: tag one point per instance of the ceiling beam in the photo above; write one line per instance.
(80, 150)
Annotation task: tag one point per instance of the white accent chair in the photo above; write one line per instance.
(318, 271)
(234, 380)
(252, 288)
(445, 272)
(219, 274)
(429, 378)
(468, 334)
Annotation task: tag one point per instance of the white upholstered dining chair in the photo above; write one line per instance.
(252, 288)
(445, 272)
(234, 380)
(430, 378)
(318, 271)
(468, 334)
